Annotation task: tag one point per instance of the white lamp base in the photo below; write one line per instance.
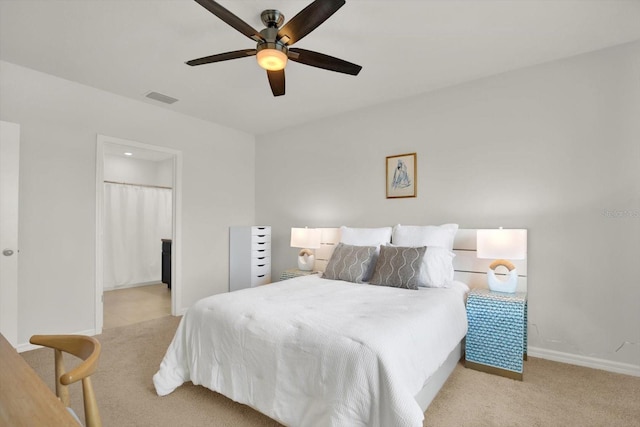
(510, 284)
(306, 260)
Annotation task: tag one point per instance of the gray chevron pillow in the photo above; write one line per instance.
(398, 266)
(349, 263)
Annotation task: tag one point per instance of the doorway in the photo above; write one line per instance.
(152, 171)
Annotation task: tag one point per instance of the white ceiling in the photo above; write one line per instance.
(113, 149)
(131, 47)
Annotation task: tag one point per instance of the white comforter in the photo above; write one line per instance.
(317, 352)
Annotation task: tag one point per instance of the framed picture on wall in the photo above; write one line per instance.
(401, 176)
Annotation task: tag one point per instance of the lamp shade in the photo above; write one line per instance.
(305, 238)
(502, 244)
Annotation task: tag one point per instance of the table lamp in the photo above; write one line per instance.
(307, 239)
(502, 246)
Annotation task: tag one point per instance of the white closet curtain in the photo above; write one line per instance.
(136, 219)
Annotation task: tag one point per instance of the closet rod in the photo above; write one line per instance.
(138, 185)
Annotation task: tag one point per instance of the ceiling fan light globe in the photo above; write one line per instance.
(272, 59)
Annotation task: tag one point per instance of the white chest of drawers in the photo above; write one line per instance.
(249, 256)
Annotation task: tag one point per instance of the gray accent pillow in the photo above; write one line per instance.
(398, 266)
(349, 263)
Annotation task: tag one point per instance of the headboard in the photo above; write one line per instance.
(468, 267)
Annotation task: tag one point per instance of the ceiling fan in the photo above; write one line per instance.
(273, 48)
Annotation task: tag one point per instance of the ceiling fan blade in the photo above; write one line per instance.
(320, 60)
(231, 19)
(222, 57)
(276, 80)
(307, 20)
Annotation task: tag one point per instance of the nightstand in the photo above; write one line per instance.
(294, 272)
(497, 337)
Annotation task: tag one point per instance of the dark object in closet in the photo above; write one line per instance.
(166, 262)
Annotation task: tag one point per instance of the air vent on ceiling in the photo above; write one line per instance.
(160, 97)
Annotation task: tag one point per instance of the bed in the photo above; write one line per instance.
(316, 351)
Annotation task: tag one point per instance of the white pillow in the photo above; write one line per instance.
(437, 268)
(437, 264)
(425, 235)
(365, 236)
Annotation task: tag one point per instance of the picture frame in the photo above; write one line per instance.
(401, 176)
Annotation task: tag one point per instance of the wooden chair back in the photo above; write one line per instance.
(86, 348)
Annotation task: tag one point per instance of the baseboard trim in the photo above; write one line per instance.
(588, 362)
(132, 285)
(28, 346)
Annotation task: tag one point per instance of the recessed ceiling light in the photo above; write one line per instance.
(128, 154)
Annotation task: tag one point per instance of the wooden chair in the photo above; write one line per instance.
(86, 348)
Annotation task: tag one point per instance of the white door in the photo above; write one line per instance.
(9, 163)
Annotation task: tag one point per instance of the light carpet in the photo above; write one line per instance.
(552, 394)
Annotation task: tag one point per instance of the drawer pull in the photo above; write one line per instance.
(261, 243)
(262, 275)
(261, 257)
(261, 265)
(261, 250)
(261, 235)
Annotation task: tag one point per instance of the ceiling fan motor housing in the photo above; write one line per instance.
(272, 18)
(272, 45)
(270, 34)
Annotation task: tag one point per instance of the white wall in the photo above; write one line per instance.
(138, 171)
(59, 121)
(164, 173)
(553, 148)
